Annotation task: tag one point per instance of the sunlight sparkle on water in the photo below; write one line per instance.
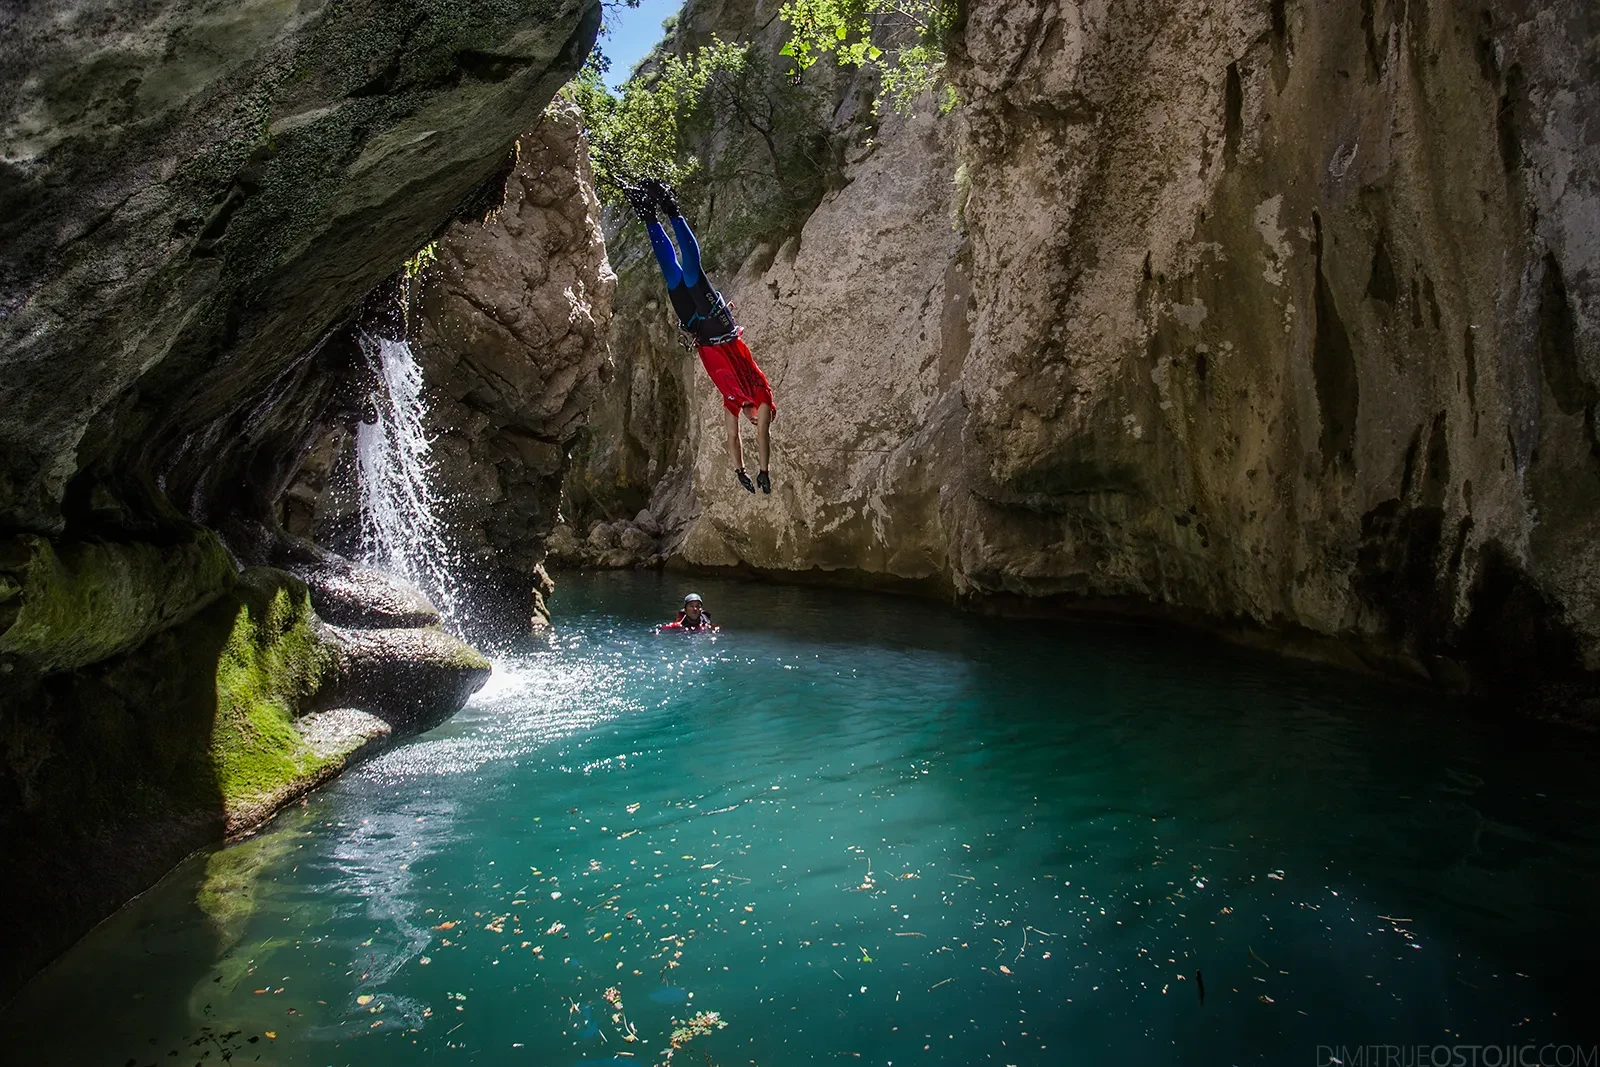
(869, 830)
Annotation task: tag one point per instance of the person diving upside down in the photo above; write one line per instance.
(704, 314)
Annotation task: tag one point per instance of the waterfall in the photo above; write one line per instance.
(401, 529)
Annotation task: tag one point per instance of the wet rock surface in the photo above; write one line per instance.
(195, 204)
(351, 595)
(511, 325)
(412, 679)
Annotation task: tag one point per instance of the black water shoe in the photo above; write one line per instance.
(663, 195)
(744, 479)
(765, 482)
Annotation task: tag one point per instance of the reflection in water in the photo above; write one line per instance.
(861, 828)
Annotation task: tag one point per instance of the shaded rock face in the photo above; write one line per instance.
(195, 201)
(510, 325)
(1282, 317)
(111, 773)
(192, 198)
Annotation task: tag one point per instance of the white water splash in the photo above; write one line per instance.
(401, 531)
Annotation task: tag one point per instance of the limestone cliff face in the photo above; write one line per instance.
(510, 325)
(1281, 316)
(1272, 321)
(513, 322)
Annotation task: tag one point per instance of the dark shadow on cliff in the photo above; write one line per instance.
(108, 783)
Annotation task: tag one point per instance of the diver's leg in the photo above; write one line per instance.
(689, 246)
(735, 448)
(736, 452)
(666, 257)
(763, 435)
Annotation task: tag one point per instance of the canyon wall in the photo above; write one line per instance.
(195, 203)
(510, 323)
(1278, 318)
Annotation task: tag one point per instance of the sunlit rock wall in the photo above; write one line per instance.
(1277, 317)
(514, 320)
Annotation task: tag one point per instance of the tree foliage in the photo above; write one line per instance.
(905, 40)
(646, 130)
(744, 142)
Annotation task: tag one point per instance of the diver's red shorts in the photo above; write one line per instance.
(734, 372)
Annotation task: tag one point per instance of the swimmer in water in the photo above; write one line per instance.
(694, 616)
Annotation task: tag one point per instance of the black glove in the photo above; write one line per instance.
(643, 204)
(664, 197)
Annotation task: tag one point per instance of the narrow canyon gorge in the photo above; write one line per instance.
(1276, 320)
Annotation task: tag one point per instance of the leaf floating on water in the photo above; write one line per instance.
(632, 808)
(424, 961)
(1266, 999)
(1004, 969)
(273, 1034)
(364, 999)
(451, 925)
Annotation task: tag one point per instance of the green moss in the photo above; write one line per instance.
(270, 667)
(461, 656)
(82, 602)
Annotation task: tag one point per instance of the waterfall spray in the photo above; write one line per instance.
(401, 531)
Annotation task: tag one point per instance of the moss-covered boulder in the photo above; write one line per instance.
(413, 679)
(268, 671)
(111, 773)
(64, 606)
